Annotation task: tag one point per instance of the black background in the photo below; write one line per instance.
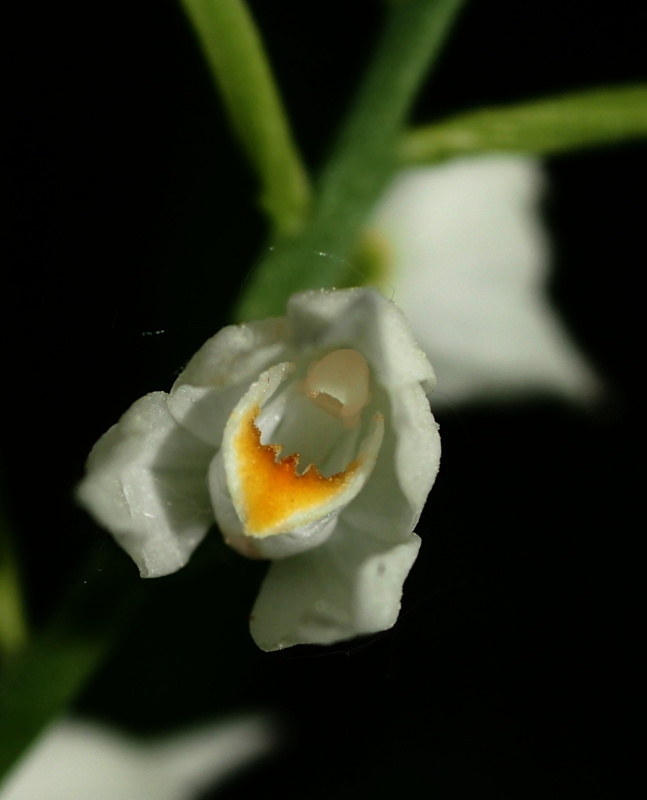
(511, 672)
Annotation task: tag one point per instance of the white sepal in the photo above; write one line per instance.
(146, 483)
(350, 586)
(468, 264)
(77, 759)
(214, 380)
(364, 320)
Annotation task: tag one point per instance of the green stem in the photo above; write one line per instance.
(543, 127)
(362, 162)
(40, 681)
(240, 68)
(13, 625)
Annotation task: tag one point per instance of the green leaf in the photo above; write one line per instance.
(361, 163)
(235, 56)
(544, 127)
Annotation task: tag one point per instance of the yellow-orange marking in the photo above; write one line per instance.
(272, 491)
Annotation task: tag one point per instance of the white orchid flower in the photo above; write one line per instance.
(76, 759)
(467, 260)
(309, 439)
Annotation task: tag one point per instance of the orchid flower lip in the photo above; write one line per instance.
(269, 494)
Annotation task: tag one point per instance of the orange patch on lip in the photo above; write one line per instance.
(272, 491)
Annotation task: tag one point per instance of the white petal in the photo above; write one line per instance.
(75, 760)
(351, 585)
(363, 320)
(146, 483)
(393, 498)
(217, 376)
(470, 260)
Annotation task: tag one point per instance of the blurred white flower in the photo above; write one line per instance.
(309, 439)
(468, 261)
(75, 760)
